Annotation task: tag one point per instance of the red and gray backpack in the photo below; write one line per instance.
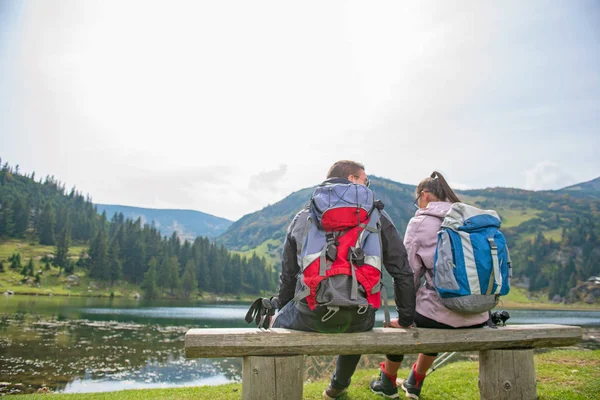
(339, 252)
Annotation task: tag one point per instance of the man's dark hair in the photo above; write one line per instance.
(344, 168)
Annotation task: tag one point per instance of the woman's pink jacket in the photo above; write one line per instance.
(420, 241)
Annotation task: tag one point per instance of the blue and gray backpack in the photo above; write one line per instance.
(472, 264)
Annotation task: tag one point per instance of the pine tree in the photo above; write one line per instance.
(174, 280)
(236, 273)
(61, 254)
(572, 281)
(28, 269)
(115, 269)
(99, 256)
(20, 216)
(190, 284)
(149, 284)
(7, 224)
(15, 261)
(200, 254)
(46, 225)
(163, 272)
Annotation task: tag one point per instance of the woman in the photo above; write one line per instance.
(434, 197)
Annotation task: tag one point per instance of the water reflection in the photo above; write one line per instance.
(82, 355)
(90, 344)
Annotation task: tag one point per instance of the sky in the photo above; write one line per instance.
(225, 107)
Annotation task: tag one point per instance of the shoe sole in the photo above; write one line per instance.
(387, 396)
(399, 382)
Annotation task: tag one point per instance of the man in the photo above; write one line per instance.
(314, 307)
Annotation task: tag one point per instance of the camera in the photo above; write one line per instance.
(499, 318)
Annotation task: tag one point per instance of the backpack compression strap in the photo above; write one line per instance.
(495, 275)
(372, 227)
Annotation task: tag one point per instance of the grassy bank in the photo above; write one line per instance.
(55, 284)
(519, 298)
(560, 374)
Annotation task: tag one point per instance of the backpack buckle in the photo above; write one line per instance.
(332, 243)
(356, 256)
(331, 252)
(362, 309)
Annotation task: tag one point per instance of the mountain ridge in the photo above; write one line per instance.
(591, 187)
(553, 235)
(188, 224)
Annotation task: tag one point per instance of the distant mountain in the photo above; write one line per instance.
(590, 188)
(554, 236)
(188, 224)
(266, 228)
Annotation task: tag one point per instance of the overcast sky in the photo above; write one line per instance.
(227, 106)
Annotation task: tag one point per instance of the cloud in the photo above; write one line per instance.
(268, 180)
(548, 175)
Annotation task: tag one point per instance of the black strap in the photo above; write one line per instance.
(254, 311)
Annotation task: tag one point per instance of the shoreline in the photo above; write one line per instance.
(232, 299)
(211, 298)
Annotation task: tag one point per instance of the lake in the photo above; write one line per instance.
(73, 344)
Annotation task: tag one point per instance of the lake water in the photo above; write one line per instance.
(92, 344)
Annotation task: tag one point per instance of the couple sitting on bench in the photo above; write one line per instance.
(333, 256)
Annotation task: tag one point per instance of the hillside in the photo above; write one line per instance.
(188, 224)
(553, 235)
(47, 233)
(589, 188)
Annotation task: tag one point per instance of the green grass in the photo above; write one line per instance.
(58, 285)
(51, 282)
(262, 250)
(31, 250)
(518, 298)
(512, 217)
(560, 374)
(554, 234)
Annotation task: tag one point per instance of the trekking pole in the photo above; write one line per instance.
(439, 361)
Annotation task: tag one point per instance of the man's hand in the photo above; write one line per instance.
(394, 324)
(261, 311)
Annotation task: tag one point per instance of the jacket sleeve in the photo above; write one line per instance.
(395, 261)
(411, 243)
(289, 268)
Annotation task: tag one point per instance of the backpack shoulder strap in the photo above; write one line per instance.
(373, 225)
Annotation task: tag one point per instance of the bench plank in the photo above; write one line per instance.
(240, 342)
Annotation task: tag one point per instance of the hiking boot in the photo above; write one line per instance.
(332, 393)
(412, 388)
(384, 386)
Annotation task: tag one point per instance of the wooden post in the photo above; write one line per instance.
(272, 378)
(507, 375)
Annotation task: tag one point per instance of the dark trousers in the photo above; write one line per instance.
(345, 321)
(424, 322)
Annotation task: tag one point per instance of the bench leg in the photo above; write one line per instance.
(507, 375)
(272, 378)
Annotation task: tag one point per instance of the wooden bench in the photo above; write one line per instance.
(273, 364)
